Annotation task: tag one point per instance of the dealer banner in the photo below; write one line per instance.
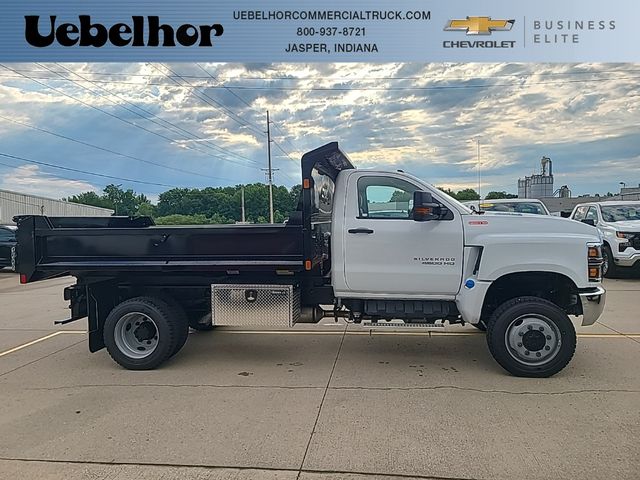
(328, 31)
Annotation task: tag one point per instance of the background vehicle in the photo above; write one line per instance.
(510, 205)
(7, 246)
(427, 258)
(619, 224)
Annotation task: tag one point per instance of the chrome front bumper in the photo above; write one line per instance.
(593, 302)
(628, 260)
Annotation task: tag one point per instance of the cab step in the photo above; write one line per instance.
(384, 324)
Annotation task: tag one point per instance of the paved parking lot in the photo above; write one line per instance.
(322, 402)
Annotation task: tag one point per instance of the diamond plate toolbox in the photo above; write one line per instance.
(255, 305)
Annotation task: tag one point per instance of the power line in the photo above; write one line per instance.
(58, 176)
(372, 78)
(425, 88)
(211, 101)
(284, 136)
(338, 89)
(111, 114)
(152, 114)
(229, 90)
(108, 150)
(36, 162)
(190, 134)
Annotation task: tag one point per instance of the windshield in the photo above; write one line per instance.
(534, 208)
(620, 213)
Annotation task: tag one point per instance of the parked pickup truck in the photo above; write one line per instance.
(619, 225)
(509, 206)
(377, 246)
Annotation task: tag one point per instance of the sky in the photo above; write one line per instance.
(69, 128)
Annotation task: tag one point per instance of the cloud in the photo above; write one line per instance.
(418, 117)
(30, 179)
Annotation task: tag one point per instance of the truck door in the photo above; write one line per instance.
(386, 251)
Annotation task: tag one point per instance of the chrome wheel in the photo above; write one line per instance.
(136, 335)
(533, 339)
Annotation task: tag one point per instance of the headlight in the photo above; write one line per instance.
(594, 260)
(628, 236)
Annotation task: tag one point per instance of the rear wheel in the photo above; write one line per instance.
(182, 324)
(141, 333)
(531, 337)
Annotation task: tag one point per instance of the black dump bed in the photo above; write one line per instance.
(52, 246)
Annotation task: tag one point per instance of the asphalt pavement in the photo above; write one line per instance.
(317, 402)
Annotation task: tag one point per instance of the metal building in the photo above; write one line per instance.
(538, 185)
(14, 203)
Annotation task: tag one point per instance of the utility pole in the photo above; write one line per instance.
(479, 182)
(242, 197)
(269, 170)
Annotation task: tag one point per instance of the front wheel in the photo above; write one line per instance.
(142, 332)
(609, 267)
(531, 337)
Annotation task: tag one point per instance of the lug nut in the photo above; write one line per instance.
(529, 327)
(541, 329)
(548, 337)
(519, 344)
(526, 352)
(521, 334)
(538, 354)
(547, 347)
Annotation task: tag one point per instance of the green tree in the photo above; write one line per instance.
(123, 202)
(199, 205)
(467, 194)
(91, 198)
(147, 210)
(400, 196)
(448, 191)
(498, 195)
(295, 194)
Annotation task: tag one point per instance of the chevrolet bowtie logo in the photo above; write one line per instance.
(479, 25)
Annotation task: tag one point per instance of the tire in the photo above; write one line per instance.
(141, 333)
(531, 337)
(202, 323)
(183, 325)
(609, 267)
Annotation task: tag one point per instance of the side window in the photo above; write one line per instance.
(592, 214)
(580, 213)
(385, 197)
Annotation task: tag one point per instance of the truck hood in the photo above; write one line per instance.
(525, 224)
(530, 243)
(625, 226)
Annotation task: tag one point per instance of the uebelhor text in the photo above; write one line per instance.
(141, 32)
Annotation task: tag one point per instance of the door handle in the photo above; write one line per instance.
(360, 230)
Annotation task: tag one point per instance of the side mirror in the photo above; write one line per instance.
(589, 221)
(424, 208)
